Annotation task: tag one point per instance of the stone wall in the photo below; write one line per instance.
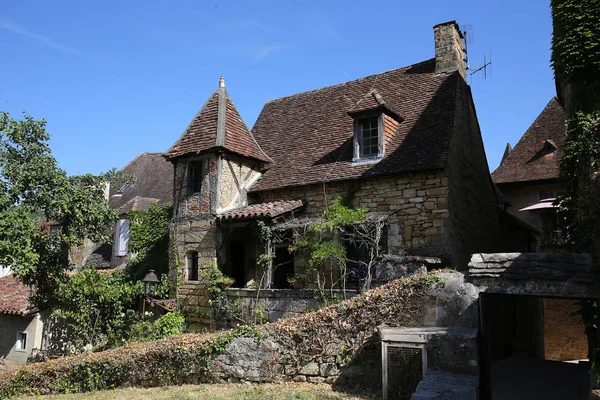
(418, 202)
(567, 275)
(452, 304)
(471, 196)
(564, 331)
(271, 304)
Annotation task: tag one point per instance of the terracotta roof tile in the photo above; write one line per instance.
(309, 135)
(204, 132)
(261, 210)
(14, 297)
(534, 158)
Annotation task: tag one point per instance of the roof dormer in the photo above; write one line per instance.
(375, 123)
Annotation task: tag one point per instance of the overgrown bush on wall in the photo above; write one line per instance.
(175, 360)
(339, 332)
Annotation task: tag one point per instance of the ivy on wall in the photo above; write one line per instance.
(149, 243)
(576, 43)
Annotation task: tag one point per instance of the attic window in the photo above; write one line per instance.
(124, 187)
(368, 138)
(549, 146)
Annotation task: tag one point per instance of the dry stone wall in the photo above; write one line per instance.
(452, 304)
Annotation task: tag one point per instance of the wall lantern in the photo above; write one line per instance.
(150, 283)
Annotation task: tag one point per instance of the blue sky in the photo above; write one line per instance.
(115, 78)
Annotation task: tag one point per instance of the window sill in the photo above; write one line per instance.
(366, 160)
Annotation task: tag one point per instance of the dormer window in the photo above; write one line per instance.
(369, 137)
(375, 122)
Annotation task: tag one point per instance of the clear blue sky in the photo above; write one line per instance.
(115, 78)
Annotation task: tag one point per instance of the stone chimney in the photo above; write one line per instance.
(449, 49)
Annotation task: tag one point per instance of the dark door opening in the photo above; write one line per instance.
(237, 261)
(283, 267)
(512, 354)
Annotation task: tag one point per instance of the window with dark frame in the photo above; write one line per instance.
(369, 137)
(194, 184)
(192, 260)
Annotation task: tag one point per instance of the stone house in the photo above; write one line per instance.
(21, 325)
(528, 175)
(404, 143)
(529, 180)
(153, 184)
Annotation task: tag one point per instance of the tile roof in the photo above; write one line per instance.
(261, 210)
(154, 179)
(138, 203)
(372, 101)
(218, 124)
(309, 135)
(14, 297)
(533, 157)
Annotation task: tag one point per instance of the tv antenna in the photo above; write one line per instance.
(469, 39)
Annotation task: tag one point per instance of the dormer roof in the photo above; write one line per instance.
(373, 100)
(218, 125)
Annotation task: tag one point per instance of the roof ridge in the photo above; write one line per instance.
(352, 81)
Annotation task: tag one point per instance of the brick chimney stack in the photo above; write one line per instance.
(449, 49)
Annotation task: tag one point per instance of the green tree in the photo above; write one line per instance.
(44, 212)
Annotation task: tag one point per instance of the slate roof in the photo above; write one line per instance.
(14, 297)
(218, 125)
(533, 157)
(154, 179)
(309, 135)
(261, 210)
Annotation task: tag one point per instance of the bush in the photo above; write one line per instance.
(170, 324)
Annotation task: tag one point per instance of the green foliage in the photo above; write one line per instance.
(215, 277)
(149, 242)
(581, 160)
(340, 214)
(172, 361)
(170, 324)
(576, 39)
(94, 306)
(35, 190)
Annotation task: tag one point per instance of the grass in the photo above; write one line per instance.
(302, 391)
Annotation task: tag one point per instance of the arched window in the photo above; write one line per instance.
(192, 266)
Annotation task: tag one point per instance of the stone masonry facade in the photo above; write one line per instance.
(417, 205)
